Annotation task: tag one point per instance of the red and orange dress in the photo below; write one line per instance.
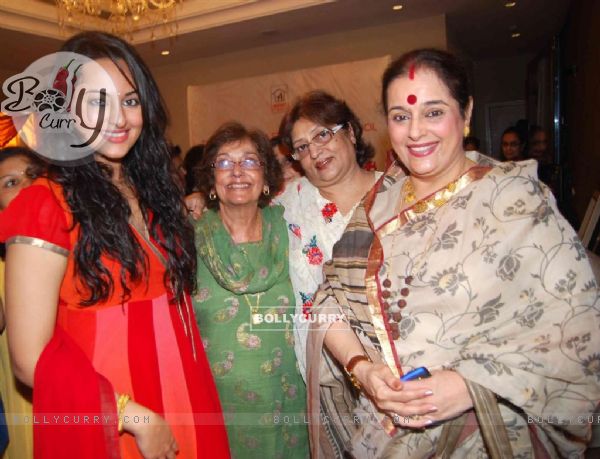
(148, 347)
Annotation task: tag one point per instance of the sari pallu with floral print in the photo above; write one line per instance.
(493, 284)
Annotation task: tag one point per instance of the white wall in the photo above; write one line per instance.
(393, 39)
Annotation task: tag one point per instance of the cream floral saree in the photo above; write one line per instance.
(493, 284)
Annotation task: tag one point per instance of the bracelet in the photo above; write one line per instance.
(121, 403)
(350, 366)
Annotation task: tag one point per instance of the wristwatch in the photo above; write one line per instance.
(350, 366)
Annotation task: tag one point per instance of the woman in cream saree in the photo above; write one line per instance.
(482, 279)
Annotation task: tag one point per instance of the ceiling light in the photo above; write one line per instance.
(397, 7)
(121, 17)
(515, 34)
(510, 4)
(165, 52)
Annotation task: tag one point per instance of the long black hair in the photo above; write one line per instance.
(103, 212)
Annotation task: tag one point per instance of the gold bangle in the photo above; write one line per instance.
(350, 366)
(121, 403)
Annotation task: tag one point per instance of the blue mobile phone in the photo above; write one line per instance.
(417, 373)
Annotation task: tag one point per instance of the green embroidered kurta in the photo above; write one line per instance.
(253, 362)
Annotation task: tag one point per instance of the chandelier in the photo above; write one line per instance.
(120, 17)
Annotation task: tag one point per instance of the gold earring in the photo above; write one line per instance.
(266, 190)
(212, 196)
(466, 131)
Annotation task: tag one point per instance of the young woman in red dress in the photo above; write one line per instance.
(100, 263)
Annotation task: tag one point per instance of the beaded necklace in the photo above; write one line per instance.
(392, 313)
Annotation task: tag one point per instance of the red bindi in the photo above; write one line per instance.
(411, 99)
(411, 72)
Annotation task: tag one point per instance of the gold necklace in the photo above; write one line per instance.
(253, 307)
(408, 191)
(438, 199)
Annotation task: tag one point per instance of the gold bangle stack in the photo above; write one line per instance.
(350, 366)
(121, 403)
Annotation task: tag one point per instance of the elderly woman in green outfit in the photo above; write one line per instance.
(243, 282)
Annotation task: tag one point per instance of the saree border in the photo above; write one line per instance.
(376, 258)
(374, 261)
(37, 242)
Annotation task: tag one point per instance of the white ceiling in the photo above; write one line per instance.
(479, 28)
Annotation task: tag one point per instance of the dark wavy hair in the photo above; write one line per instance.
(37, 165)
(322, 108)
(235, 132)
(103, 213)
(446, 67)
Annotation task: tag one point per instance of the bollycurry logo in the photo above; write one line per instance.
(60, 106)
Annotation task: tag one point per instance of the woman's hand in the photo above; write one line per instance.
(154, 439)
(414, 404)
(195, 204)
(449, 397)
(392, 395)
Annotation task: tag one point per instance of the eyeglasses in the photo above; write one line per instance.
(321, 139)
(246, 164)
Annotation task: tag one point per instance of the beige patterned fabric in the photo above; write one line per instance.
(499, 289)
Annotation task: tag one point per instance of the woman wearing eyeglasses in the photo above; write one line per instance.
(325, 137)
(244, 302)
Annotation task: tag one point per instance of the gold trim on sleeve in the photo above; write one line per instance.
(34, 241)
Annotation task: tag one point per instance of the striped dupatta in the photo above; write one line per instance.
(336, 414)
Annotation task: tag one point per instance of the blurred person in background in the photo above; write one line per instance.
(471, 143)
(512, 145)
